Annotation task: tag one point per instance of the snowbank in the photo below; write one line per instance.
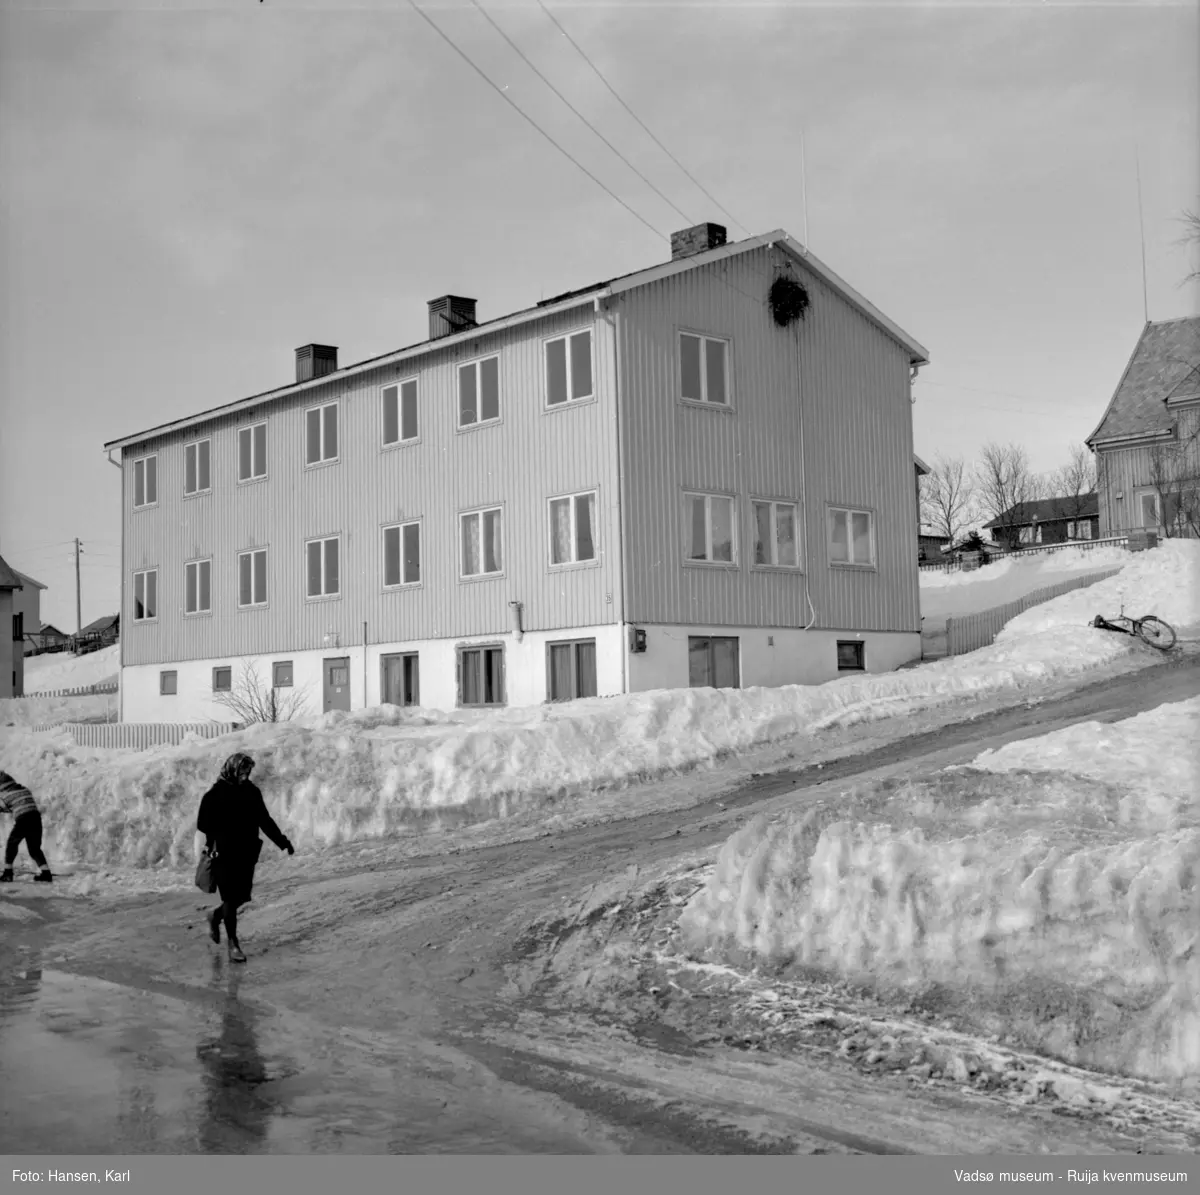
(955, 594)
(40, 711)
(1163, 581)
(372, 774)
(1065, 902)
(58, 670)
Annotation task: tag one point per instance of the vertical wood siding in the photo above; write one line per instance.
(845, 378)
(530, 456)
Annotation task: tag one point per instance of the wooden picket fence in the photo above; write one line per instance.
(83, 691)
(973, 631)
(138, 736)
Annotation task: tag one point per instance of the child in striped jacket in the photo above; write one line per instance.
(27, 825)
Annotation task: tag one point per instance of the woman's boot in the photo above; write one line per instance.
(214, 924)
(235, 952)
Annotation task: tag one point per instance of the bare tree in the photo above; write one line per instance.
(1075, 485)
(947, 497)
(1191, 238)
(1004, 482)
(1175, 476)
(251, 699)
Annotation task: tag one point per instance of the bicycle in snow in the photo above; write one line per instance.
(1149, 628)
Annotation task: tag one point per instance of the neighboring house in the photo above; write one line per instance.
(932, 548)
(1147, 445)
(1047, 521)
(697, 474)
(27, 603)
(12, 634)
(104, 632)
(49, 638)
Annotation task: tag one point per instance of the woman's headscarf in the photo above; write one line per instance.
(237, 768)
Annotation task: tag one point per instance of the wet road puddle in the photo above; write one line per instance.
(100, 1067)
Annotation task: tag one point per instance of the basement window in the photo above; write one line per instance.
(851, 656)
(168, 683)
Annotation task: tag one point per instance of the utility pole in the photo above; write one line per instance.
(78, 602)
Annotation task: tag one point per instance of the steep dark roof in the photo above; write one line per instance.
(101, 624)
(1047, 510)
(1163, 362)
(9, 578)
(27, 580)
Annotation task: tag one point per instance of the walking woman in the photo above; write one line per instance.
(231, 814)
(27, 826)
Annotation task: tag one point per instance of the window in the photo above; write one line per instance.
(18, 626)
(481, 676)
(197, 587)
(572, 529)
(321, 434)
(1079, 529)
(572, 669)
(252, 578)
(197, 476)
(168, 683)
(145, 481)
(402, 554)
(569, 368)
(1148, 505)
(851, 537)
(710, 529)
(481, 543)
(145, 595)
(713, 662)
(850, 655)
(479, 392)
(322, 562)
(252, 452)
(281, 674)
(223, 679)
(400, 412)
(775, 535)
(703, 369)
(401, 681)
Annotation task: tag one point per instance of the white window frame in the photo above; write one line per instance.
(249, 429)
(163, 691)
(324, 595)
(574, 645)
(708, 561)
(850, 512)
(145, 572)
(140, 465)
(222, 668)
(198, 565)
(1076, 529)
(483, 574)
(399, 387)
(400, 528)
(460, 651)
(276, 683)
(704, 401)
(337, 419)
(566, 340)
(775, 504)
(194, 447)
(477, 366)
(575, 561)
(257, 602)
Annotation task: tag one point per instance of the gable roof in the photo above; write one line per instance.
(101, 624)
(1164, 361)
(9, 578)
(564, 302)
(48, 628)
(28, 580)
(1048, 510)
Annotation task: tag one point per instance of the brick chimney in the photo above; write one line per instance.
(315, 361)
(450, 314)
(699, 239)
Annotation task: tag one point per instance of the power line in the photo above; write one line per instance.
(524, 58)
(508, 99)
(612, 90)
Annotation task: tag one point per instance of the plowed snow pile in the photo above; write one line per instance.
(1061, 906)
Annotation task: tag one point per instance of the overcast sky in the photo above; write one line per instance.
(189, 195)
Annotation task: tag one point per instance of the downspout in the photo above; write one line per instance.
(364, 664)
(622, 505)
(121, 658)
(803, 488)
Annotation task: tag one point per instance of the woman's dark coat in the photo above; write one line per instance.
(230, 818)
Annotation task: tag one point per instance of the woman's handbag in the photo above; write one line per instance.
(206, 876)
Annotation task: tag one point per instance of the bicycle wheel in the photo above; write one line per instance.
(1156, 632)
